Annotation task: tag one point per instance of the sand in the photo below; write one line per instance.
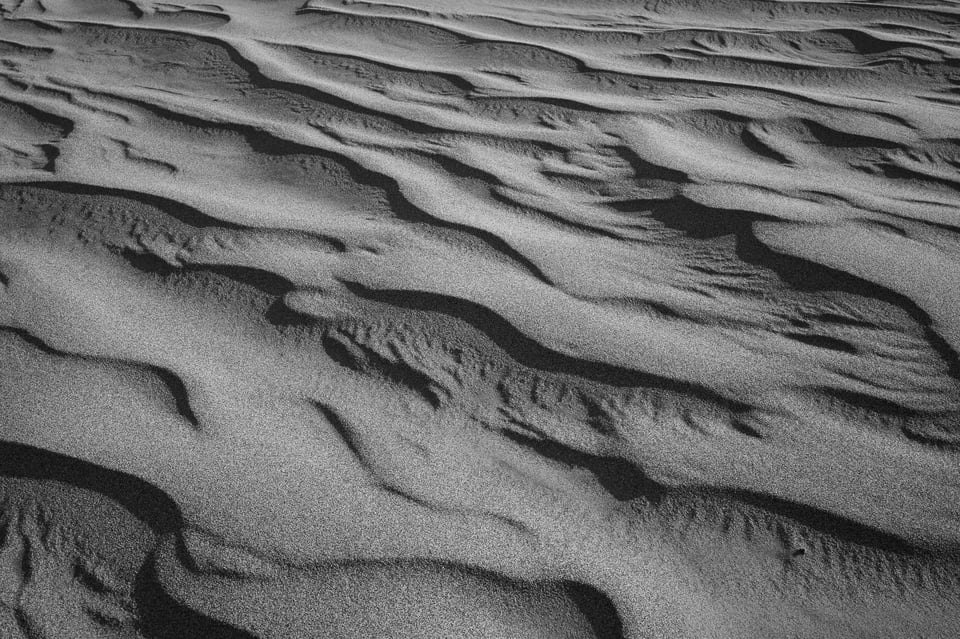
(608, 319)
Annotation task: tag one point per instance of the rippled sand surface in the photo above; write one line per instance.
(541, 319)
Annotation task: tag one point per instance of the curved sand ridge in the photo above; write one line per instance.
(440, 318)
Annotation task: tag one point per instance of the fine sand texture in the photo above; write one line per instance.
(430, 319)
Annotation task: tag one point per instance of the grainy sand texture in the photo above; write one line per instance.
(429, 319)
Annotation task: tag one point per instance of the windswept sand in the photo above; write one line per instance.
(443, 319)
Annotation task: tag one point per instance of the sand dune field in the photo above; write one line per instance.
(427, 319)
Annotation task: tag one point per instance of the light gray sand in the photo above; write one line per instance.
(577, 318)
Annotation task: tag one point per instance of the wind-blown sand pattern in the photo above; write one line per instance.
(560, 319)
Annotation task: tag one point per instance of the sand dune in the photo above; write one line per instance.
(433, 318)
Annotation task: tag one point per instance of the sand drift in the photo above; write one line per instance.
(547, 319)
